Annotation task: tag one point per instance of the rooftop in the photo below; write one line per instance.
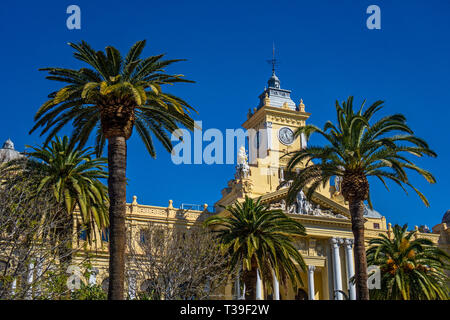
(278, 97)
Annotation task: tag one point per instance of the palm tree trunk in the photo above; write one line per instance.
(249, 278)
(357, 213)
(117, 164)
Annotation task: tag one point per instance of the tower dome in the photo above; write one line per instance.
(8, 153)
(274, 82)
(8, 144)
(279, 98)
(371, 213)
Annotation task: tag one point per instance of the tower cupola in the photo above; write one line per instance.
(274, 82)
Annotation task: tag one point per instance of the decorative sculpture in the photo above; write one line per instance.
(242, 168)
(338, 182)
(305, 207)
(278, 205)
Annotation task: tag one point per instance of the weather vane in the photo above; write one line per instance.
(274, 62)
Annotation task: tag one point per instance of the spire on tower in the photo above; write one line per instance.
(273, 82)
(273, 61)
(273, 95)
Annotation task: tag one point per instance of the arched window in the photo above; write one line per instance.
(143, 236)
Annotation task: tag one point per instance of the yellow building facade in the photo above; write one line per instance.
(261, 172)
(328, 247)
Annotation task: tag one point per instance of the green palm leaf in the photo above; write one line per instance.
(259, 238)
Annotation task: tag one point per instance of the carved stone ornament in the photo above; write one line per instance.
(242, 167)
(247, 186)
(305, 207)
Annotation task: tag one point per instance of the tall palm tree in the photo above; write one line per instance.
(411, 269)
(258, 238)
(357, 148)
(113, 96)
(72, 179)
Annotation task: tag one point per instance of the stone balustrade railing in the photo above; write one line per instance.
(137, 214)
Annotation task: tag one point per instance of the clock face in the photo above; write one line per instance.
(286, 136)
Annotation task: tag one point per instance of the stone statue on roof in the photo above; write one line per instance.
(242, 168)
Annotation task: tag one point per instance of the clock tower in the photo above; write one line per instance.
(271, 128)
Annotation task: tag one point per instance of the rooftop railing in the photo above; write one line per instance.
(189, 206)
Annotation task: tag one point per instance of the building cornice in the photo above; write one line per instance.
(269, 111)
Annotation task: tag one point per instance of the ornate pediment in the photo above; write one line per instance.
(305, 207)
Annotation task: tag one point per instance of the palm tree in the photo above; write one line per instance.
(357, 149)
(72, 179)
(411, 269)
(113, 96)
(258, 238)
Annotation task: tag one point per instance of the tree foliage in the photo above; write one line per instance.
(171, 263)
(411, 268)
(256, 237)
(112, 96)
(73, 178)
(358, 147)
(29, 256)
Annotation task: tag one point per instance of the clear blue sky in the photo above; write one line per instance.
(326, 53)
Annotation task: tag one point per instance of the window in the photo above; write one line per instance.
(257, 140)
(143, 236)
(376, 226)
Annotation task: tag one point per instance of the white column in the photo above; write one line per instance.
(38, 275)
(30, 280)
(311, 282)
(132, 286)
(276, 287)
(336, 268)
(350, 267)
(259, 293)
(237, 288)
(13, 287)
